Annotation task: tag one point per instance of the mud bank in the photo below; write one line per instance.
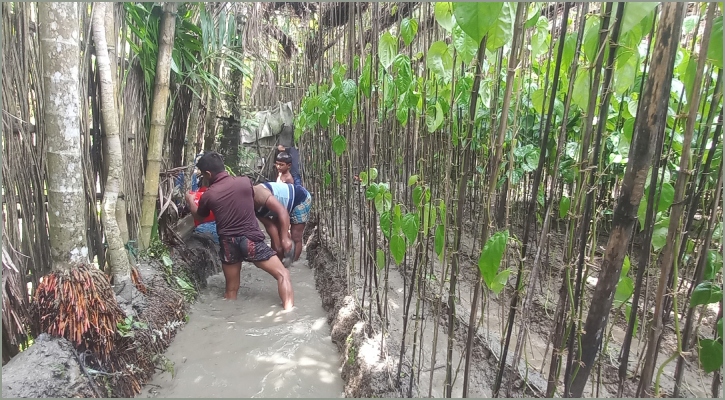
(367, 370)
(155, 306)
(419, 370)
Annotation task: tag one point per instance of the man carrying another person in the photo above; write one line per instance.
(231, 199)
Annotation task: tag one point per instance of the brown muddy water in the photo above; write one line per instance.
(251, 347)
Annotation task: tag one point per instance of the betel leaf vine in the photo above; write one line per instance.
(444, 15)
(339, 145)
(476, 19)
(440, 60)
(465, 45)
(501, 31)
(706, 293)
(714, 51)
(387, 49)
(491, 256)
(710, 354)
(397, 248)
(408, 30)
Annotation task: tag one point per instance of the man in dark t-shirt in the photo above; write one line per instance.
(231, 199)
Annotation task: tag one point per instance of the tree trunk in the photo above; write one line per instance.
(117, 257)
(648, 128)
(210, 124)
(678, 204)
(158, 123)
(58, 25)
(111, 41)
(192, 132)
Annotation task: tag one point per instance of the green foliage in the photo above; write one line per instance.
(380, 259)
(501, 32)
(440, 60)
(627, 313)
(710, 353)
(564, 205)
(410, 227)
(659, 234)
(491, 255)
(625, 288)
(590, 45)
(713, 265)
(126, 327)
(464, 44)
(444, 15)
(634, 13)
(706, 293)
(387, 49)
(540, 36)
(339, 145)
(440, 240)
(477, 19)
(196, 47)
(714, 50)
(397, 248)
(383, 200)
(408, 30)
(500, 280)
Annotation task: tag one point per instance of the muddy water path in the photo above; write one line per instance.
(251, 347)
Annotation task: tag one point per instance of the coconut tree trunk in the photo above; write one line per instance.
(58, 29)
(158, 123)
(648, 128)
(116, 256)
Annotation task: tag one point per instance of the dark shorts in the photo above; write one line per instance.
(234, 249)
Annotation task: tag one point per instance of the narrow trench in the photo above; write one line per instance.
(251, 347)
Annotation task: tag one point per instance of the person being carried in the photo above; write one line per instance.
(231, 199)
(208, 225)
(295, 203)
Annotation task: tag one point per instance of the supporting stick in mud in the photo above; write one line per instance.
(532, 203)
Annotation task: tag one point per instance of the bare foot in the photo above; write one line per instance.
(230, 295)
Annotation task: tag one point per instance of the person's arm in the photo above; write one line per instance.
(199, 212)
(278, 209)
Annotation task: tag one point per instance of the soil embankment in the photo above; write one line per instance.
(155, 309)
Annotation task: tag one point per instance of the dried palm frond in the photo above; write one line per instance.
(79, 305)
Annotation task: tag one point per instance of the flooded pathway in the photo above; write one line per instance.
(250, 348)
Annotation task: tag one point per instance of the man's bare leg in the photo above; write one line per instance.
(274, 267)
(271, 227)
(231, 276)
(297, 231)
